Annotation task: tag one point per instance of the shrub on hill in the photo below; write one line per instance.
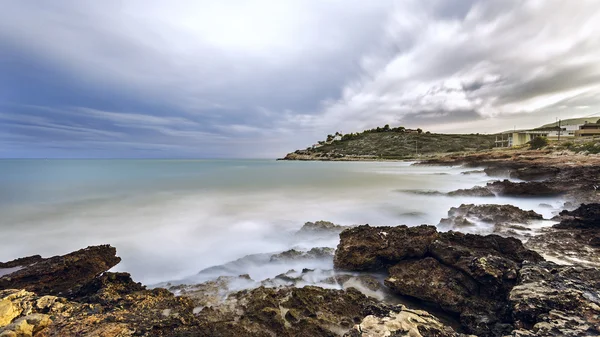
(538, 143)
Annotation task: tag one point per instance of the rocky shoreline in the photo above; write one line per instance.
(386, 281)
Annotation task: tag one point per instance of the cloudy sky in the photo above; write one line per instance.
(252, 78)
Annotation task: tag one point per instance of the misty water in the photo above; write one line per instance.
(170, 219)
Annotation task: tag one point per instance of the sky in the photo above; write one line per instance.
(258, 79)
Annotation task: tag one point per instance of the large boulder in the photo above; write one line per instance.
(60, 275)
(366, 248)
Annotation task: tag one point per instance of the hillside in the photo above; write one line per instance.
(572, 121)
(393, 145)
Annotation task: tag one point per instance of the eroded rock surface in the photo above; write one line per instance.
(555, 300)
(366, 248)
(575, 240)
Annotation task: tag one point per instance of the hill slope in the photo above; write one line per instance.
(393, 145)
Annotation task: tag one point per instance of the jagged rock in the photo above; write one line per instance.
(491, 260)
(314, 253)
(366, 248)
(575, 240)
(61, 274)
(504, 215)
(320, 228)
(554, 300)
(476, 191)
(527, 189)
(584, 217)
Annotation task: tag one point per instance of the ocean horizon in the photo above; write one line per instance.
(171, 218)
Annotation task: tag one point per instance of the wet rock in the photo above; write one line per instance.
(366, 248)
(62, 274)
(214, 292)
(311, 311)
(584, 217)
(468, 214)
(566, 246)
(525, 189)
(320, 228)
(472, 172)
(293, 254)
(554, 300)
(429, 280)
(476, 191)
(535, 172)
(404, 322)
(575, 240)
(469, 275)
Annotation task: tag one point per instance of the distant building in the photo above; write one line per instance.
(568, 129)
(589, 130)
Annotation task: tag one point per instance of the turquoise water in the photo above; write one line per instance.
(172, 218)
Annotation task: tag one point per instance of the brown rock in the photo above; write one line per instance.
(366, 248)
(63, 274)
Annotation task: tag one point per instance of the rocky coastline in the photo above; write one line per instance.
(386, 281)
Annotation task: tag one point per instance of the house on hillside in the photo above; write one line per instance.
(589, 130)
(560, 130)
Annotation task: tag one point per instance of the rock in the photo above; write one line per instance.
(468, 214)
(366, 248)
(429, 280)
(554, 300)
(476, 191)
(472, 172)
(214, 292)
(62, 274)
(527, 189)
(21, 262)
(314, 253)
(465, 274)
(491, 260)
(535, 172)
(312, 311)
(107, 288)
(320, 228)
(584, 217)
(405, 322)
(566, 246)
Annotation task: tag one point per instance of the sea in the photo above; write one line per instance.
(170, 219)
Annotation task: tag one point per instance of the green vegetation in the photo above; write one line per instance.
(538, 143)
(400, 143)
(591, 147)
